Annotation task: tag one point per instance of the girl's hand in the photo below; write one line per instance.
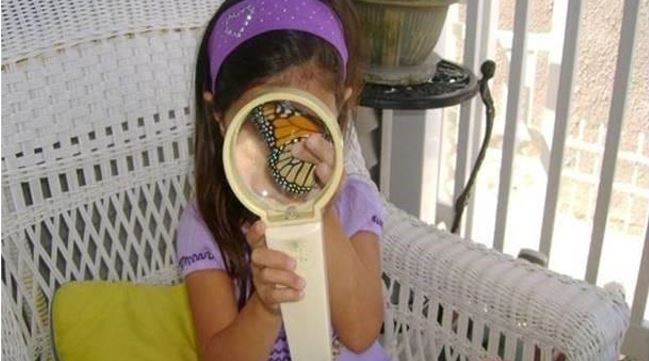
(319, 151)
(272, 272)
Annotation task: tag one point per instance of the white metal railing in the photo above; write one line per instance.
(615, 120)
(478, 35)
(566, 80)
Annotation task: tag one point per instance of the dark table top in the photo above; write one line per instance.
(451, 84)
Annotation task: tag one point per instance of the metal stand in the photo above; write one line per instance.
(451, 84)
(487, 69)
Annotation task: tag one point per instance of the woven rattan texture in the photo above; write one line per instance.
(96, 168)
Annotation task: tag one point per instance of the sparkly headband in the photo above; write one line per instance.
(250, 18)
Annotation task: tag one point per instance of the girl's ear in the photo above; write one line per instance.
(221, 127)
(348, 94)
(208, 97)
(345, 107)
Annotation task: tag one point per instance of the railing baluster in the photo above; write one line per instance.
(386, 151)
(642, 285)
(479, 110)
(462, 166)
(615, 121)
(511, 118)
(566, 81)
(635, 341)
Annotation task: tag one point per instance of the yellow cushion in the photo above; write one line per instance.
(122, 321)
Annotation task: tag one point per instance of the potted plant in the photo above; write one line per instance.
(401, 32)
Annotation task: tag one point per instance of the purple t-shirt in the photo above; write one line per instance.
(359, 209)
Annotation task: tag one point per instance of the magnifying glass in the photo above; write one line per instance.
(285, 193)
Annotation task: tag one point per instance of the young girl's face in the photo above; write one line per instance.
(251, 152)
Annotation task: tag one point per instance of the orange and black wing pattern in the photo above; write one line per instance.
(283, 126)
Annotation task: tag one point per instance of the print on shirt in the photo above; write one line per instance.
(377, 220)
(187, 261)
(280, 351)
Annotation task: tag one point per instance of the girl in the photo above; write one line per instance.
(231, 277)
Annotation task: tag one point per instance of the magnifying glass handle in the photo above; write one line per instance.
(307, 322)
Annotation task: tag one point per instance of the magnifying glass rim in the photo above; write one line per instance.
(243, 192)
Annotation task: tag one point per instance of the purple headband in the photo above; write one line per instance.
(250, 18)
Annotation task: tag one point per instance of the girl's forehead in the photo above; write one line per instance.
(306, 75)
(291, 78)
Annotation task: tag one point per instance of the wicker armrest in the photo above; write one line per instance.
(449, 295)
(13, 343)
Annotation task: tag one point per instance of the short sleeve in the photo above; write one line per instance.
(360, 208)
(195, 246)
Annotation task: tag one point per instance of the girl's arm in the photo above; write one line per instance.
(225, 334)
(354, 278)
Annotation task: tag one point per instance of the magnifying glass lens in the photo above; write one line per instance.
(271, 156)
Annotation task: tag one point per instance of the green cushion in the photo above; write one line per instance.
(111, 321)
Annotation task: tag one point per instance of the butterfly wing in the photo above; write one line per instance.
(292, 174)
(282, 127)
(281, 123)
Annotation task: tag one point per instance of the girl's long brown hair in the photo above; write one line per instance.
(254, 60)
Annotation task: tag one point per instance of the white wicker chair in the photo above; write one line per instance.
(96, 157)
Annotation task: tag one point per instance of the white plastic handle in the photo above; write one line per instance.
(307, 322)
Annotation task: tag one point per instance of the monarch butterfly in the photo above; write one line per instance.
(283, 126)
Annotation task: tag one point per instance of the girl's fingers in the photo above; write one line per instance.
(272, 271)
(316, 149)
(264, 257)
(255, 235)
(301, 152)
(279, 295)
(279, 277)
(323, 173)
(321, 148)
